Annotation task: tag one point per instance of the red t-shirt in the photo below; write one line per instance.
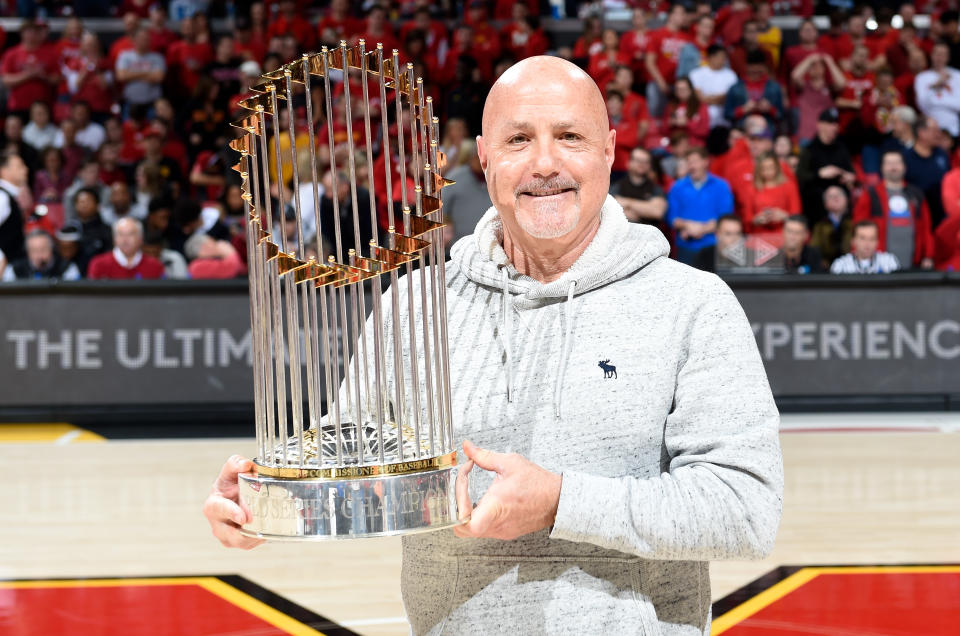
(105, 266)
(627, 140)
(298, 27)
(123, 44)
(633, 46)
(856, 88)
(601, 67)
(19, 59)
(229, 267)
(186, 60)
(522, 45)
(840, 47)
(785, 196)
(344, 28)
(94, 89)
(666, 45)
(160, 39)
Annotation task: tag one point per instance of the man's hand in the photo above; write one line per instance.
(926, 263)
(522, 499)
(223, 508)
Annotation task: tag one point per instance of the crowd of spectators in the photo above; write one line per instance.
(839, 150)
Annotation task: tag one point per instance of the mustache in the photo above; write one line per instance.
(546, 186)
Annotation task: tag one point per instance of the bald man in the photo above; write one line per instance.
(621, 431)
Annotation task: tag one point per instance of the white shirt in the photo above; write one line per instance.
(5, 199)
(91, 137)
(39, 138)
(881, 263)
(712, 83)
(943, 104)
(124, 261)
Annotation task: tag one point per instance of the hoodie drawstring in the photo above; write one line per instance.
(507, 345)
(565, 349)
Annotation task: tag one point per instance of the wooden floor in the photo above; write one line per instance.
(125, 508)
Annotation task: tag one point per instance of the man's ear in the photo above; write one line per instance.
(482, 154)
(609, 148)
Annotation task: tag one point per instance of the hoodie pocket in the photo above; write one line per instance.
(550, 595)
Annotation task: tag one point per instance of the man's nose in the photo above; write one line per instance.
(546, 160)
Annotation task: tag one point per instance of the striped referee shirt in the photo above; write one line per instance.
(881, 263)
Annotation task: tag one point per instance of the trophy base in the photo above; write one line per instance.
(308, 509)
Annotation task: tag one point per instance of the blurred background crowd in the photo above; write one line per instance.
(834, 144)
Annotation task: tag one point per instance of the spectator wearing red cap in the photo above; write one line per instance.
(29, 70)
(633, 43)
(126, 260)
(663, 53)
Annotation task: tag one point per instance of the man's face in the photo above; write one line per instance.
(718, 60)
(81, 115)
(639, 164)
(860, 57)
(39, 251)
(697, 165)
(86, 206)
(864, 243)
(794, 235)
(13, 128)
(142, 41)
(68, 249)
(159, 220)
(728, 233)
(756, 71)
(759, 145)
(929, 133)
(834, 200)
(127, 237)
(120, 196)
(546, 149)
(893, 168)
(614, 106)
(705, 29)
(15, 171)
(40, 115)
(750, 33)
(827, 131)
(678, 15)
(940, 56)
(808, 33)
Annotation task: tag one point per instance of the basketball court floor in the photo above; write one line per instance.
(107, 537)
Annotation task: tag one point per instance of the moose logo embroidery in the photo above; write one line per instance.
(609, 371)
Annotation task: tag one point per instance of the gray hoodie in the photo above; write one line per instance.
(668, 461)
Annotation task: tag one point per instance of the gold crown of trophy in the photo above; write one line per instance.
(382, 459)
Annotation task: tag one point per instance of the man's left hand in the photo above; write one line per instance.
(522, 499)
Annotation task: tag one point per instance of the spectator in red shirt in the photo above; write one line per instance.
(850, 103)
(591, 41)
(686, 113)
(901, 213)
(434, 32)
(774, 197)
(947, 244)
(663, 52)
(917, 63)
(749, 45)
(126, 260)
(525, 38)
(131, 22)
(798, 52)
(337, 24)
(288, 22)
(89, 78)
(29, 71)
(68, 46)
(633, 43)
(210, 258)
(188, 57)
(161, 36)
(816, 80)
(604, 63)
(731, 19)
(627, 134)
(486, 41)
(634, 106)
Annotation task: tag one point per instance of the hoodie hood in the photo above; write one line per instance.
(618, 249)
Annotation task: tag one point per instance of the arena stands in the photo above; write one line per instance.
(123, 111)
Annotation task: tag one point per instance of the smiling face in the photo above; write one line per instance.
(546, 150)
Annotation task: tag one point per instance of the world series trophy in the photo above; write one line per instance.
(381, 460)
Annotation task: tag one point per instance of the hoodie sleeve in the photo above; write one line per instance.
(722, 495)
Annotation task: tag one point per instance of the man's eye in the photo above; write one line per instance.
(570, 136)
(517, 139)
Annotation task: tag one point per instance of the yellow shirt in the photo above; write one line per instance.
(770, 41)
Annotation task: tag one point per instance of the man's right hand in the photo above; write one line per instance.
(223, 508)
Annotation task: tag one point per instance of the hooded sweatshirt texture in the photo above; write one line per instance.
(669, 449)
